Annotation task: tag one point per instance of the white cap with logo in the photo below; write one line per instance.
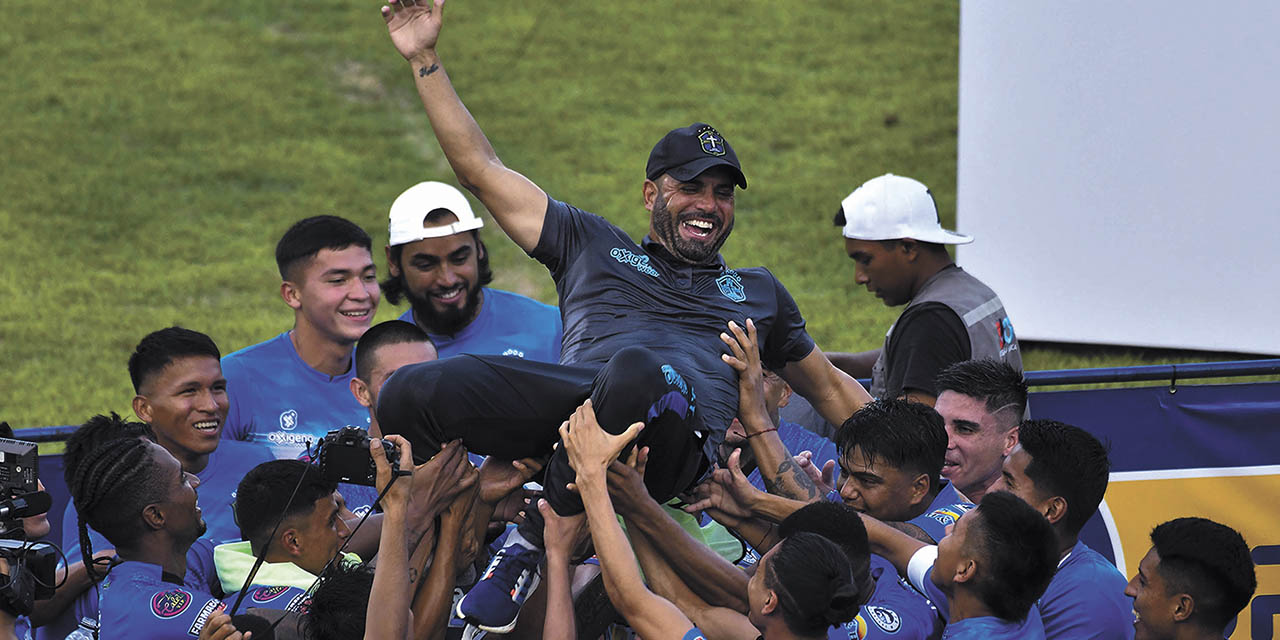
(411, 208)
(892, 208)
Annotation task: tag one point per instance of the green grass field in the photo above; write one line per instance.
(154, 152)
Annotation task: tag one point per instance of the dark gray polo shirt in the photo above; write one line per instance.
(615, 293)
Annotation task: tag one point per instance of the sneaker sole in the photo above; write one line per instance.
(534, 582)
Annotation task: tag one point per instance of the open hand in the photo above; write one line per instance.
(591, 448)
(414, 25)
(744, 357)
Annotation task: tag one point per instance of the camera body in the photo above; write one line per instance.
(32, 573)
(18, 467)
(344, 456)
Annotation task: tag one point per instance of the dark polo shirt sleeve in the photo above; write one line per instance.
(787, 340)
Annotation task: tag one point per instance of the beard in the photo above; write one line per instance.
(665, 226)
(446, 322)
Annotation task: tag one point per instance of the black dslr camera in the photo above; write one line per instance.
(32, 565)
(344, 457)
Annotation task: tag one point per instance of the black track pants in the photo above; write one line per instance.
(512, 408)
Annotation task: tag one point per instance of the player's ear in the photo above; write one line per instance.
(291, 294)
(650, 193)
(360, 389)
(142, 408)
(153, 517)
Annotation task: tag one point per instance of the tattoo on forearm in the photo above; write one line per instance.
(426, 71)
(800, 479)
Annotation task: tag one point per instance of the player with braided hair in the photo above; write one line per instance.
(136, 494)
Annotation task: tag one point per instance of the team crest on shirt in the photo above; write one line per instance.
(267, 594)
(167, 604)
(211, 607)
(731, 286)
(289, 420)
(886, 619)
(712, 141)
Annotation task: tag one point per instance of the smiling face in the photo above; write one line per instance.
(335, 293)
(182, 516)
(880, 490)
(692, 219)
(1014, 479)
(442, 278)
(1154, 607)
(977, 442)
(882, 266)
(186, 405)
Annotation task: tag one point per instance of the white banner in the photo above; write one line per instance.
(1118, 163)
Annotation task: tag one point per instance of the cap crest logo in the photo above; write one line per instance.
(712, 142)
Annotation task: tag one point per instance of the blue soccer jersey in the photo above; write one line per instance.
(278, 597)
(1086, 599)
(895, 611)
(920, 573)
(279, 402)
(508, 324)
(140, 601)
(945, 510)
(218, 482)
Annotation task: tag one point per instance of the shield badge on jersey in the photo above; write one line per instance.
(731, 286)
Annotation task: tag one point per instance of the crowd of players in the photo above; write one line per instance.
(657, 395)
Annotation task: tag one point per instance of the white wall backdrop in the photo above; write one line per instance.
(1119, 163)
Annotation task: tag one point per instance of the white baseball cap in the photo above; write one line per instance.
(892, 208)
(411, 208)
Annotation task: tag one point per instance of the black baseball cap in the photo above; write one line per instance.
(688, 151)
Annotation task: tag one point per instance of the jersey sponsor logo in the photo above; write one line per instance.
(280, 437)
(1004, 332)
(267, 594)
(167, 604)
(289, 420)
(886, 619)
(640, 262)
(211, 607)
(712, 141)
(674, 378)
(857, 628)
(731, 286)
(948, 515)
(513, 352)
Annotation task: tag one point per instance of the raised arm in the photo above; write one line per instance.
(517, 204)
(890, 543)
(388, 612)
(834, 393)
(713, 578)
(779, 470)
(591, 450)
